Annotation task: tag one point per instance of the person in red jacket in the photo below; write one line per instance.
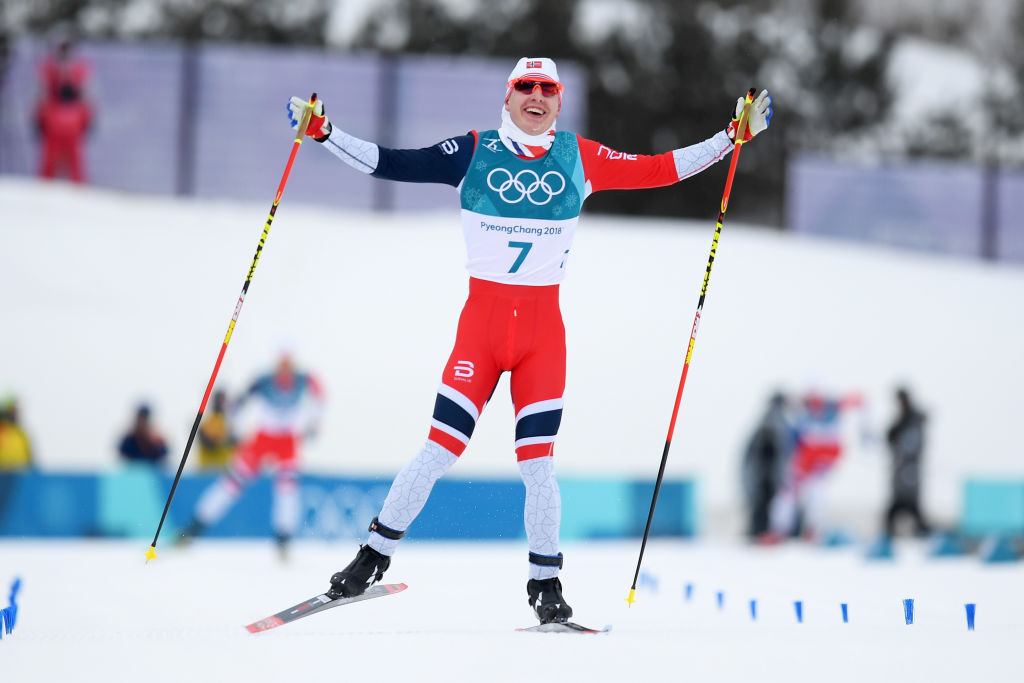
(63, 114)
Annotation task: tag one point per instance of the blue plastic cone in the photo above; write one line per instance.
(649, 580)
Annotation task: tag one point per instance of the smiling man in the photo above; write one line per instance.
(521, 188)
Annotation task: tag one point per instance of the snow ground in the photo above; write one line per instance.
(94, 611)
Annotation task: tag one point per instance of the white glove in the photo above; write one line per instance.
(760, 117)
(319, 127)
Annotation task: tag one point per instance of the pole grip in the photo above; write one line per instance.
(741, 127)
(306, 116)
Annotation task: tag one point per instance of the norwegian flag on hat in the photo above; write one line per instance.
(536, 68)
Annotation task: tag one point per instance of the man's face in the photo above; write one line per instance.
(284, 373)
(533, 112)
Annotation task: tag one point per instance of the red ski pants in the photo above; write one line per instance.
(514, 328)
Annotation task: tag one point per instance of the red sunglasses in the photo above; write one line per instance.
(547, 88)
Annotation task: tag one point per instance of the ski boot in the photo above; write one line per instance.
(283, 543)
(188, 534)
(547, 601)
(365, 570)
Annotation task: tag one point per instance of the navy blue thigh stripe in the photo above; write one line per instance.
(447, 411)
(539, 424)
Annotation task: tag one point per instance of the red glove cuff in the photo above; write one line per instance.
(731, 130)
(315, 124)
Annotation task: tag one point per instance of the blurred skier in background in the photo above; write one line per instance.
(63, 112)
(289, 403)
(765, 462)
(906, 445)
(521, 188)
(799, 505)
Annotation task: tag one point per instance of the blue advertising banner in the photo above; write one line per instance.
(128, 503)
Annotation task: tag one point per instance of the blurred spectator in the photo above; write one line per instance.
(799, 506)
(765, 462)
(142, 443)
(63, 113)
(15, 446)
(290, 403)
(906, 444)
(216, 440)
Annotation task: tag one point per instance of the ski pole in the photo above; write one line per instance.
(741, 128)
(151, 553)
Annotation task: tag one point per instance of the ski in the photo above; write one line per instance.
(320, 603)
(564, 627)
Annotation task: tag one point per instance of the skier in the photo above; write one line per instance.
(290, 404)
(799, 504)
(521, 188)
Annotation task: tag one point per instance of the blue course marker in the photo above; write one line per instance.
(720, 599)
(649, 580)
(798, 605)
(846, 612)
(908, 610)
(970, 607)
(688, 591)
(753, 610)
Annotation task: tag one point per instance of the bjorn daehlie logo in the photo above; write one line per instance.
(526, 184)
(463, 369)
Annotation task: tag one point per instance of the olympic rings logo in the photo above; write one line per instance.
(526, 184)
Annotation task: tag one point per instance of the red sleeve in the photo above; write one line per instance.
(851, 401)
(607, 169)
(315, 387)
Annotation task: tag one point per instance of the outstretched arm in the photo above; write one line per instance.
(607, 169)
(445, 162)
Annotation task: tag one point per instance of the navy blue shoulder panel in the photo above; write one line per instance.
(446, 162)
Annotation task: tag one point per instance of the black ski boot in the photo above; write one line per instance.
(188, 534)
(283, 542)
(365, 570)
(547, 601)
